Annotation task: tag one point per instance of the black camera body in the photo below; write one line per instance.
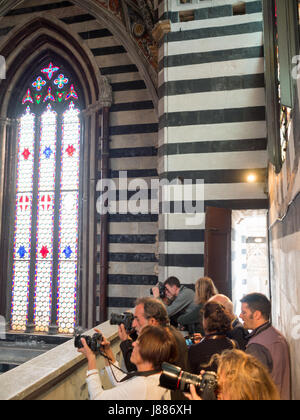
(162, 290)
(189, 340)
(93, 342)
(126, 318)
(174, 378)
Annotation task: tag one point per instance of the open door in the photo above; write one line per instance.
(217, 254)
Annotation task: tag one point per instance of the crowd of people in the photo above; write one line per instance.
(198, 332)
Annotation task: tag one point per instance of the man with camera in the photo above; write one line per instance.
(181, 298)
(150, 311)
(154, 346)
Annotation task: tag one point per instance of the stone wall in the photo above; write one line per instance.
(285, 246)
(212, 118)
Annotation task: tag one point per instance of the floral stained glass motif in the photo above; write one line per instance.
(27, 98)
(22, 229)
(38, 98)
(71, 94)
(61, 81)
(49, 96)
(39, 83)
(50, 70)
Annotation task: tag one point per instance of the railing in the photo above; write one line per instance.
(58, 374)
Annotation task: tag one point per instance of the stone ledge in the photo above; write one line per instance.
(57, 374)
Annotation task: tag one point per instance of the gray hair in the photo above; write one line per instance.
(154, 308)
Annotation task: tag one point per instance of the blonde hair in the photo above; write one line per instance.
(204, 290)
(243, 377)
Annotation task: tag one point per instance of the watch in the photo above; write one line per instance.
(91, 372)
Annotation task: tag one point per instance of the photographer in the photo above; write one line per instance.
(238, 332)
(181, 298)
(241, 377)
(192, 321)
(154, 346)
(150, 311)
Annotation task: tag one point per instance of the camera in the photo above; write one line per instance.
(174, 378)
(162, 290)
(189, 340)
(93, 342)
(126, 318)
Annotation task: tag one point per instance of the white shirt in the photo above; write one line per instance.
(136, 388)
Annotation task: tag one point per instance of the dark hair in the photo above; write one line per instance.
(157, 345)
(217, 318)
(258, 302)
(173, 281)
(153, 308)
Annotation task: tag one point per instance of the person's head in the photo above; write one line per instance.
(256, 310)
(149, 311)
(204, 290)
(223, 300)
(216, 319)
(243, 377)
(154, 346)
(172, 287)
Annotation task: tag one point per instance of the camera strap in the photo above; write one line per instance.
(134, 374)
(214, 336)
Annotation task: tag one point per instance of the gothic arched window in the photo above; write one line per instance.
(46, 229)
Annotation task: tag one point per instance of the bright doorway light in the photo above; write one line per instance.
(250, 268)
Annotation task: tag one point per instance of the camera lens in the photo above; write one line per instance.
(116, 319)
(175, 378)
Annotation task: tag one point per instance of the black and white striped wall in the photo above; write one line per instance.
(212, 118)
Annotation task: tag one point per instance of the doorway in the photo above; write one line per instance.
(249, 251)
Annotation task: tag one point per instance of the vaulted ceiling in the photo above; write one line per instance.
(136, 17)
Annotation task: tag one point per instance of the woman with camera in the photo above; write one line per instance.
(241, 377)
(154, 346)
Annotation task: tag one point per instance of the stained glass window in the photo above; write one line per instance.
(23, 214)
(47, 202)
(68, 228)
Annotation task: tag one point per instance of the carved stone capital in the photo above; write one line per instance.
(162, 28)
(91, 109)
(105, 98)
(4, 121)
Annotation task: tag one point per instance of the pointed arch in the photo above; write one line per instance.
(97, 10)
(35, 40)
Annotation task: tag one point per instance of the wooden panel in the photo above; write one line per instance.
(217, 256)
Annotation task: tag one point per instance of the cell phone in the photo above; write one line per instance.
(189, 341)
